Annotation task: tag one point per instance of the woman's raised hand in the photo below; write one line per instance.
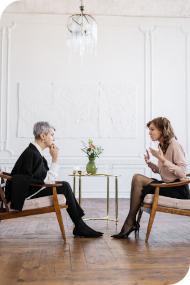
(158, 154)
(147, 160)
(54, 152)
(147, 157)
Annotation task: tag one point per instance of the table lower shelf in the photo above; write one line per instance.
(102, 218)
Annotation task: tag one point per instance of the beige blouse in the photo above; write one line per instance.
(175, 165)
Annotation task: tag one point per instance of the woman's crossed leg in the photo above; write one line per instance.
(138, 182)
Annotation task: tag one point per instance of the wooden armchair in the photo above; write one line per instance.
(154, 202)
(34, 206)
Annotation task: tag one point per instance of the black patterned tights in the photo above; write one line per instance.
(138, 182)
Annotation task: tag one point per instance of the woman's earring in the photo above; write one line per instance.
(43, 140)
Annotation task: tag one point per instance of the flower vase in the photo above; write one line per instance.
(91, 166)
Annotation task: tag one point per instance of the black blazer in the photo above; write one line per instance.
(30, 167)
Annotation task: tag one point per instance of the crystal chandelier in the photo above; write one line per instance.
(81, 34)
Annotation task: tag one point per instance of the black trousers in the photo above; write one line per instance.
(74, 210)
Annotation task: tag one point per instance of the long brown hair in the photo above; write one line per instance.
(163, 125)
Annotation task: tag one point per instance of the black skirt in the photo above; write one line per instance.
(178, 192)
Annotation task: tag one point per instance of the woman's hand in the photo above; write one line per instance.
(56, 147)
(158, 154)
(54, 152)
(147, 157)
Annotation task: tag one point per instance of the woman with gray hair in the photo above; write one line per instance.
(32, 167)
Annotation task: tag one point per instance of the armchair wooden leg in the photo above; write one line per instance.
(60, 221)
(58, 213)
(139, 215)
(153, 213)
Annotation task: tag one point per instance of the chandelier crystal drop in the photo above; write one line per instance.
(81, 34)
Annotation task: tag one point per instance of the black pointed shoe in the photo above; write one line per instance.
(90, 234)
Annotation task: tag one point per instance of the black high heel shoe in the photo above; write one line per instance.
(91, 234)
(135, 227)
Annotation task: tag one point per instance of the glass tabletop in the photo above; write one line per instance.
(96, 175)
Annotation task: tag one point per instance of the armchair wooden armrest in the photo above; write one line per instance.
(6, 173)
(46, 185)
(5, 176)
(158, 186)
(8, 177)
(171, 184)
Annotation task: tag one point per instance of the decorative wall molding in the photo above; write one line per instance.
(186, 33)
(144, 32)
(148, 105)
(148, 76)
(188, 89)
(5, 85)
(8, 86)
(151, 72)
(78, 161)
(187, 74)
(2, 29)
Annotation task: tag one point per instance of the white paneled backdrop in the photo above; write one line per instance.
(141, 71)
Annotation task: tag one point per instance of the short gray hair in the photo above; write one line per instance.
(41, 127)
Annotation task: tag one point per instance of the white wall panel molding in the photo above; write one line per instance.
(151, 72)
(3, 107)
(188, 88)
(3, 30)
(8, 87)
(5, 86)
(101, 162)
(50, 19)
(185, 30)
(84, 162)
(7, 161)
(187, 80)
(75, 162)
(148, 107)
(144, 32)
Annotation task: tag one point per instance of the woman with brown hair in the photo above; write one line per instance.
(171, 167)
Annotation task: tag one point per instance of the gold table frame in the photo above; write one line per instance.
(116, 194)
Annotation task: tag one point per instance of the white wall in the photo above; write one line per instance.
(152, 54)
